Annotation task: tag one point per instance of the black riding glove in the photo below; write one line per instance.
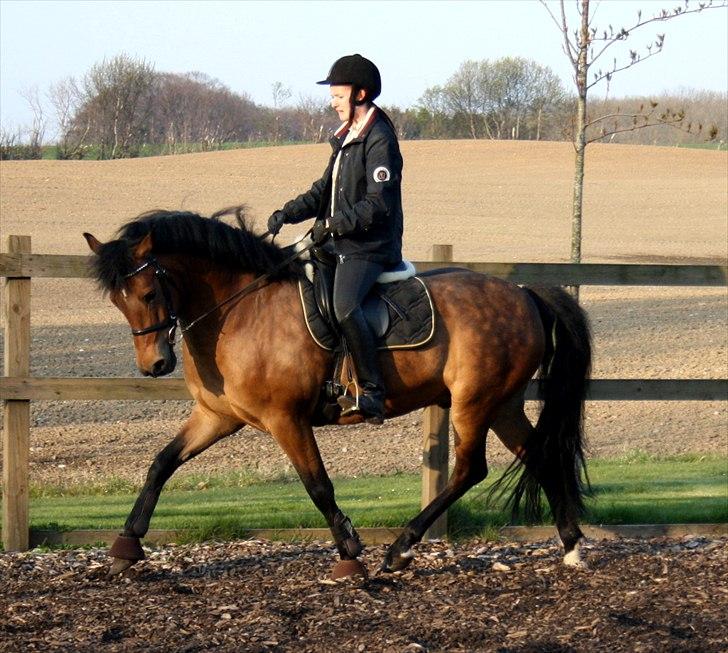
(320, 233)
(276, 221)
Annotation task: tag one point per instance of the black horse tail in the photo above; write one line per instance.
(553, 457)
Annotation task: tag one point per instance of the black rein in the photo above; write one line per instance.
(172, 321)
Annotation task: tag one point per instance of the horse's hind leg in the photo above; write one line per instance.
(198, 433)
(514, 429)
(470, 423)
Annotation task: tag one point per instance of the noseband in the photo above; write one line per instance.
(170, 322)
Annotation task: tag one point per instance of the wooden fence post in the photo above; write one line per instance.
(16, 422)
(435, 450)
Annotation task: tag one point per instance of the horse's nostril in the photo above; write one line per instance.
(158, 367)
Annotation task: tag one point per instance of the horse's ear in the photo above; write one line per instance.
(144, 248)
(94, 243)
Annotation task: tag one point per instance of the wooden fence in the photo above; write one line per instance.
(17, 389)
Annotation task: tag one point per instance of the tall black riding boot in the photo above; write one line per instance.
(362, 345)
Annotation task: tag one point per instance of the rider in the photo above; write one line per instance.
(357, 203)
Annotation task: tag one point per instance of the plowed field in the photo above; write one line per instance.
(494, 201)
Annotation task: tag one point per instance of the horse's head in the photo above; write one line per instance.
(138, 287)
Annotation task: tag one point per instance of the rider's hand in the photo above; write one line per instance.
(276, 221)
(321, 232)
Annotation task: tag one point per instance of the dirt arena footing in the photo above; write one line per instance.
(659, 594)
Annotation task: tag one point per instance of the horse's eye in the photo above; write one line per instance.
(150, 297)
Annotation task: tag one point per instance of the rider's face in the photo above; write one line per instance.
(340, 101)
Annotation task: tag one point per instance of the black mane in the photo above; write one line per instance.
(182, 232)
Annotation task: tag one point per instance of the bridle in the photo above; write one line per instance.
(171, 322)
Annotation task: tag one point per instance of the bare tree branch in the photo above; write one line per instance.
(658, 123)
(635, 60)
(567, 47)
(663, 16)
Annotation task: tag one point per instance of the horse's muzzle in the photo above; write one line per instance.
(162, 366)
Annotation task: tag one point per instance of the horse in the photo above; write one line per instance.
(249, 360)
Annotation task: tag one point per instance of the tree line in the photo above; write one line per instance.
(122, 107)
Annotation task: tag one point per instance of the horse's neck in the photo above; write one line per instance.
(204, 288)
(225, 293)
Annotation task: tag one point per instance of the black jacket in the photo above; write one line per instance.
(367, 222)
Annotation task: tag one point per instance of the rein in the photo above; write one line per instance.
(172, 320)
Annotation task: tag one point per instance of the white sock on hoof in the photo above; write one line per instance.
(573, 558)
(409, 553)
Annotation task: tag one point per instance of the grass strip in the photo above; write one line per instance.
(636, 488)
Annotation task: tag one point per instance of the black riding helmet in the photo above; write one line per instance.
(359, 72)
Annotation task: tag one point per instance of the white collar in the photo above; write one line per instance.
(358, 126)
(355, 129)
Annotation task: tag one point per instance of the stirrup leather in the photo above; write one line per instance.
(349, 402)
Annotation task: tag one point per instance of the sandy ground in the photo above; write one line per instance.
(503, 201)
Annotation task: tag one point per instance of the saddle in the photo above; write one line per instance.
(398, 309)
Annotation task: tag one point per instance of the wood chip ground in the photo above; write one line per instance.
(648, 595)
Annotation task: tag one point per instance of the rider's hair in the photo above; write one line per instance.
(353, 104)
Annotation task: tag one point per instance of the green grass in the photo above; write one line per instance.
(637, 488)
(710, 145)
(93, 152)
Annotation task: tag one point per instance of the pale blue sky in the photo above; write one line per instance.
(251, 45)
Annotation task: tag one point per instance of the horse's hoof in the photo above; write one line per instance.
(575, 564)
(119, 566)
(397, 561)
(128, 548)
(573, 559)
(347, 568)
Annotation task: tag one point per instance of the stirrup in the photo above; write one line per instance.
(348, 404)
(351, 405)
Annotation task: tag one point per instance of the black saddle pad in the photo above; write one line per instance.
(408, 302)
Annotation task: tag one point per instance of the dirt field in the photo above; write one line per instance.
(252, 596)
(504, 201)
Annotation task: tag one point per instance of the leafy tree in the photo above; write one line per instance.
(505, 98)
(117, 96)
(520, 89)
(66, 98)
(195, 108)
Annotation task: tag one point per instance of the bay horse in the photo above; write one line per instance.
(251, 361)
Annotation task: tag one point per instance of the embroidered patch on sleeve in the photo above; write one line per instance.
(382, 174)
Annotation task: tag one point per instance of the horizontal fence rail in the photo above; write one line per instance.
(17, 388)
(105, 388)
(555, 274)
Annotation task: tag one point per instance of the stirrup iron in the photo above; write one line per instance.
(349, 406)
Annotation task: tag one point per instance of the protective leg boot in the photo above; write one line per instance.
(363, 349)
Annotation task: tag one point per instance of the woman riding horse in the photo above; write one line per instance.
(358, 203)
(249, 359)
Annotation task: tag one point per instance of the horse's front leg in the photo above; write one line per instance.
(296, 439)
(198, 433)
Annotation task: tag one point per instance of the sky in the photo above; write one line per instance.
(250, 45)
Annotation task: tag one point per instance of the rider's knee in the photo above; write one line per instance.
(344, 310)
